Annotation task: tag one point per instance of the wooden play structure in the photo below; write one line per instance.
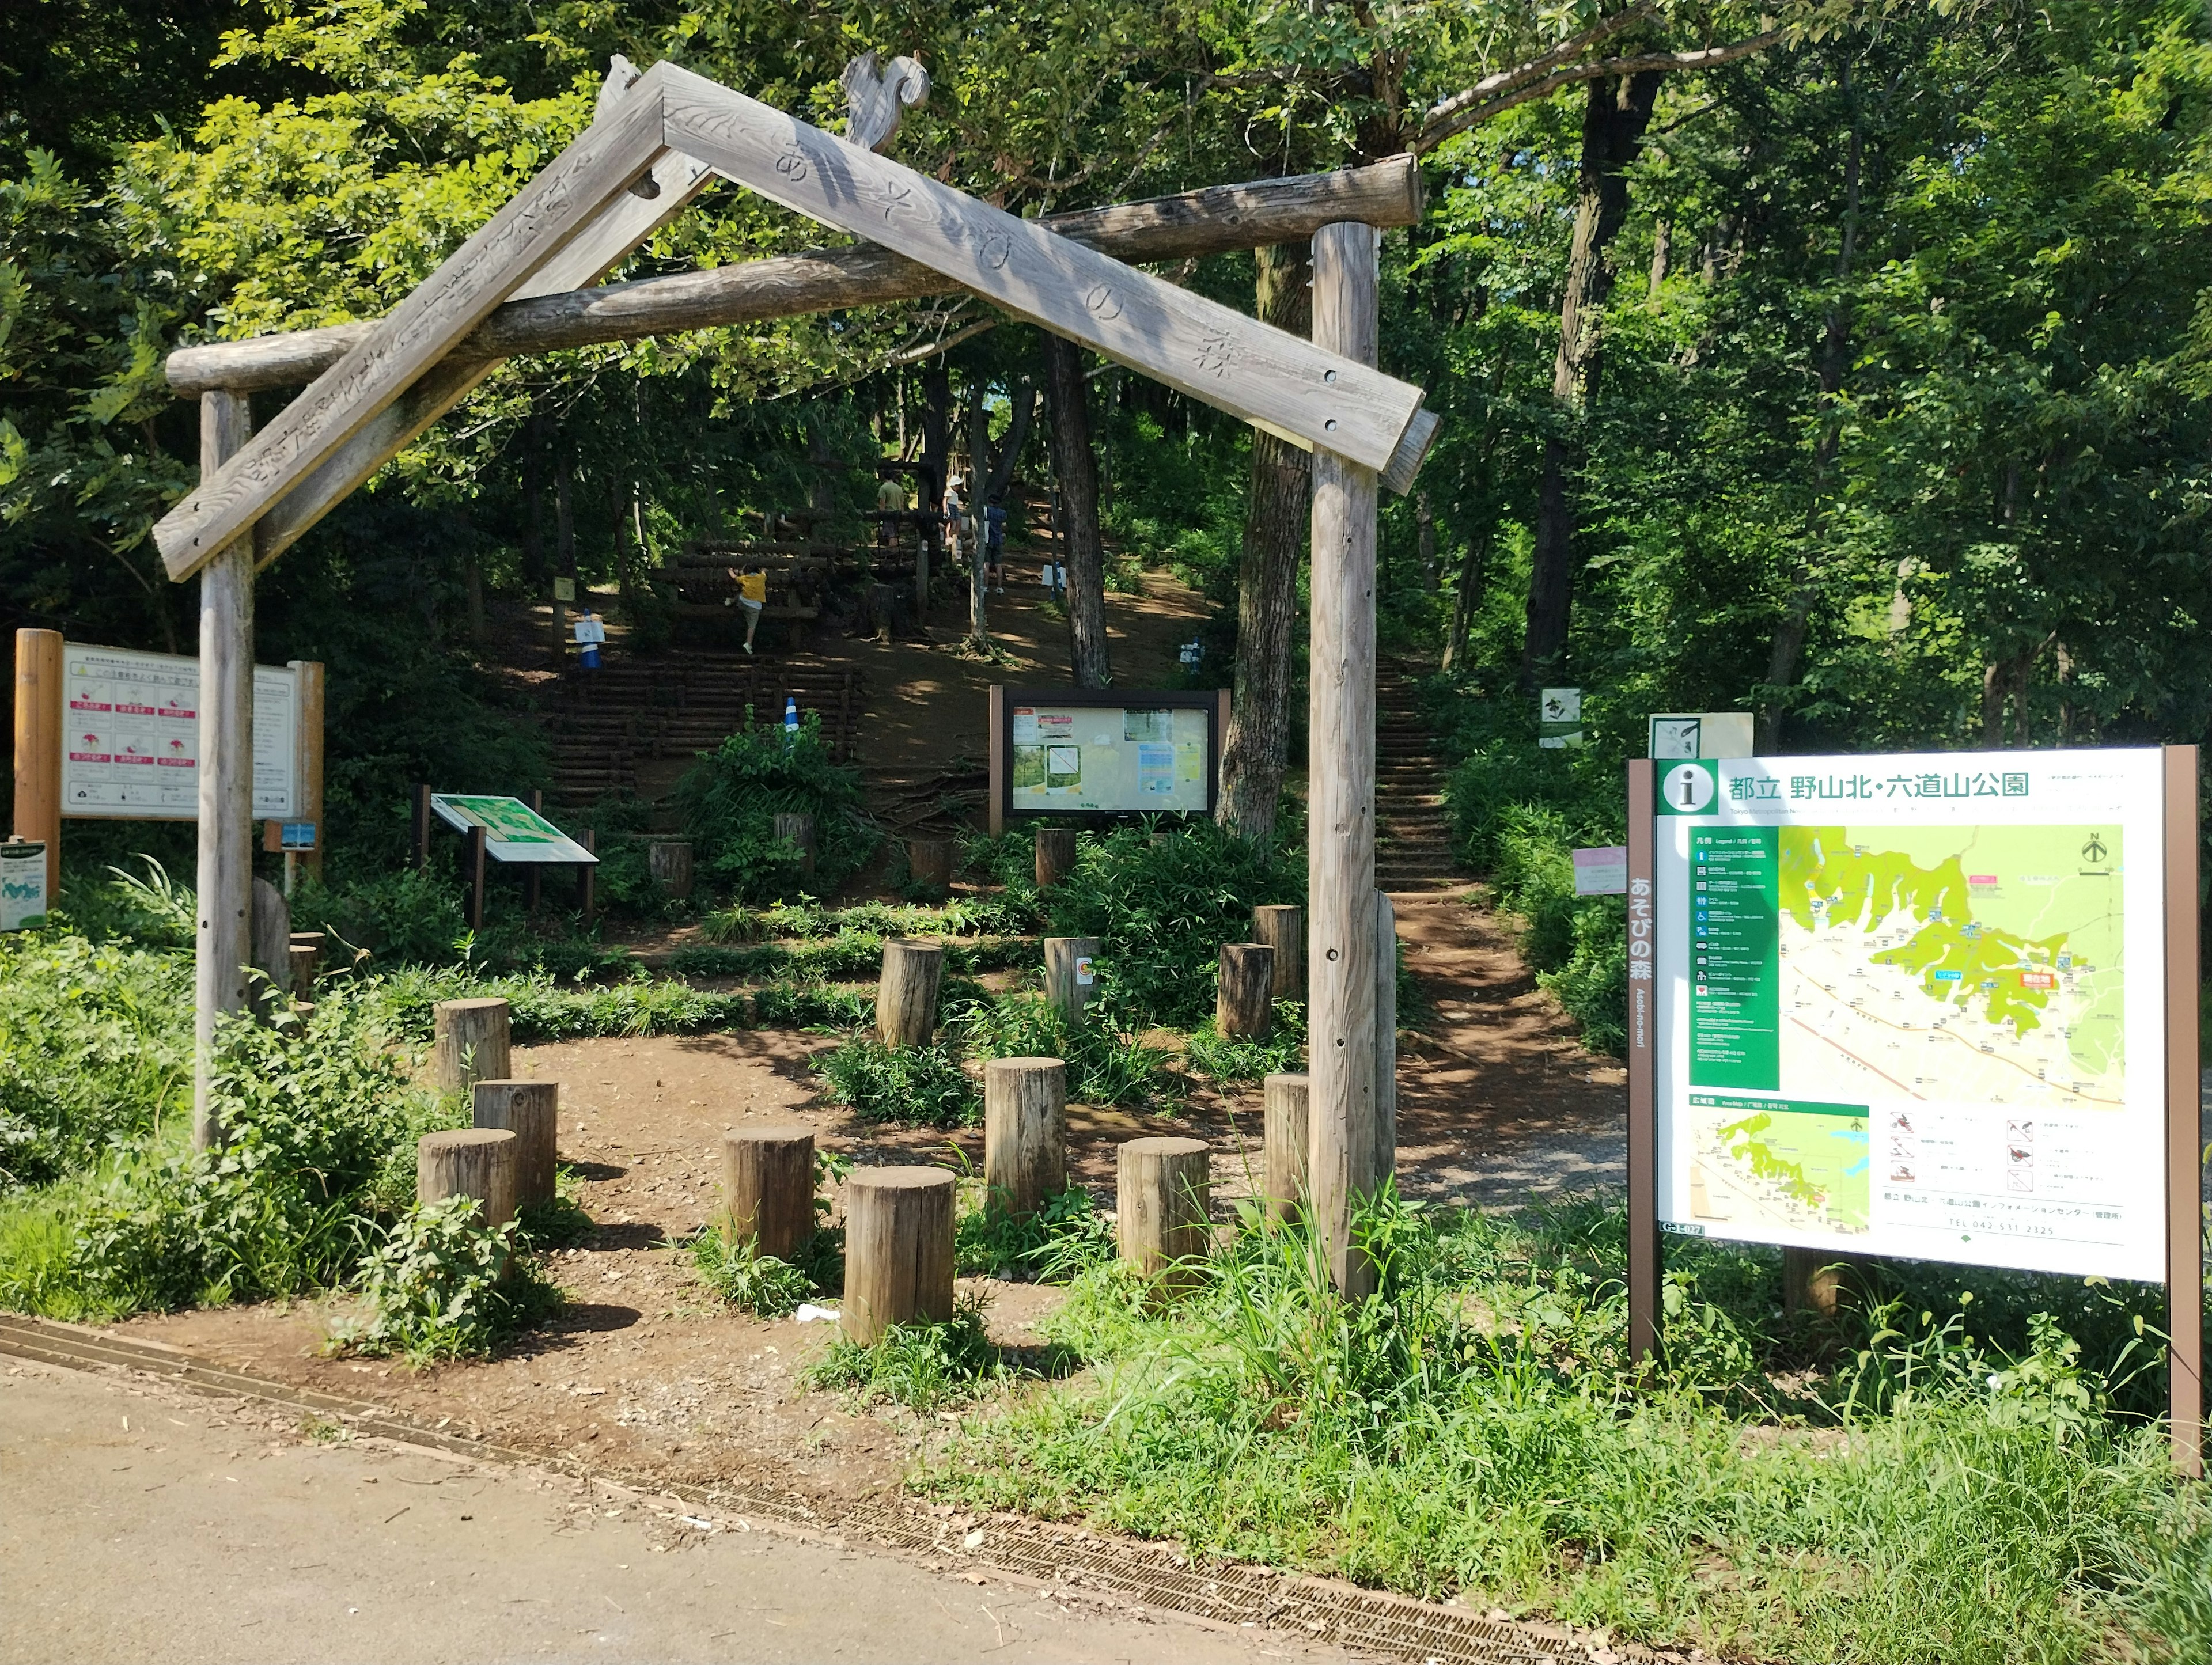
(525, 283)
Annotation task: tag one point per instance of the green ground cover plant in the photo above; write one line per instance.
(736, 1270)
(442, 1284)
(923, 1366)
(1104, 1065)
(1917, 1486)
(1224, 1059)
(917, 1086)
(729, 800)
(1065, 1237)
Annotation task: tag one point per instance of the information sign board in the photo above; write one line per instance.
(130, 736)
(513, 830)
(1560, 718)
(22, 884)
(1676, 734)
(1071, 752)
(1913, 1005)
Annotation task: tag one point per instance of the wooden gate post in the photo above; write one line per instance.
(38, 707)
(1340, 838)
(222, 938)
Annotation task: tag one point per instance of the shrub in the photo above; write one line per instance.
(730, 798)
(1104, 1067)
(442, 1284)
(1235, 1058)
(919, 1086)
(1066, 1237)
(406, 918)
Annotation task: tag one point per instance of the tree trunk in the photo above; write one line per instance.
(1082, 552)
(1255, 751)
(1467, 599)
(564, 545)
(936, 431)
(1615, 114)
(1017, 441)
(979, 454)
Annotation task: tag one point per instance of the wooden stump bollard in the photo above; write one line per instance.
(768, 1188)
(1025, 1132)
(304, 957)
(1282, 926)
(1812, 1280)
(898, 1249)
(531, 1110)
(1055, 854)
(270, 935)
(669, 860)
(471, 1044)
(468, 1162)
(1069, 983)
(798, 830)
(1243, 1002)
(1284, 1144)
(906, 993)
(1161, 1199)
(929, 862)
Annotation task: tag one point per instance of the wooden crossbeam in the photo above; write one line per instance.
(1202, 348)
(516, 243)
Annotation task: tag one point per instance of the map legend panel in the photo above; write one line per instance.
(1735, 982)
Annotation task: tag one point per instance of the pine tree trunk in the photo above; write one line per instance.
(1257, 745)
(1082, 551)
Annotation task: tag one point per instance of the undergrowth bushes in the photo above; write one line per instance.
(729, 800)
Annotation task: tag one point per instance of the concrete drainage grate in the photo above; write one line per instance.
(1149, 1575)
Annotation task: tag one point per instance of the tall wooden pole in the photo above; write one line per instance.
(38, 706)
(223, 942)
(310, 759)
(1340, 840)
(2184, 1275)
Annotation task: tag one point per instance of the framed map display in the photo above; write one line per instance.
(1080, 753)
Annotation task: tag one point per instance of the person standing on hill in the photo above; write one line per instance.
(956, 519)
(891, 499)
(752, 596)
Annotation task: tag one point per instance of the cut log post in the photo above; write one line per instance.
(1069, 981)
(1024, 1132)
(1340, 782)
(531, 1110)
(468, 1162)
(272, 947)
(1244, 994)
(304, 957)
(898, 1249)
(1283, 928)
(1812, 1280)
(798, 830)
(768, 1188)
(669, 860)
(222, 944)
(1161, 1200)
(906, 994)
(472, 1043)
(1285, 1142)
(929, 861)
(1055, 854)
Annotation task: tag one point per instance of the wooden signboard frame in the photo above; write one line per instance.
(1000, 810)
(2183, 1188)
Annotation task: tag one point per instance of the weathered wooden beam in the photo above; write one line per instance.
(543, 217)
(1218, 219)
(1196, 346)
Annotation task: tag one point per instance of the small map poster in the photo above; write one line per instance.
(1132, 760)
(130, 736)
(1898, 1000)
(513, 830)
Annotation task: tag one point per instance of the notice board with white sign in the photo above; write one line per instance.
(1937, 1006)
(130, 736)
(1090, 753)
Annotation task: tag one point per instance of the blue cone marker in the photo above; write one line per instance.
(790, 718)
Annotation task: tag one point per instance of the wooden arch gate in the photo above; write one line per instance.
(524, 282)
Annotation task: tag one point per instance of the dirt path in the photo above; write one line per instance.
(139, 1522)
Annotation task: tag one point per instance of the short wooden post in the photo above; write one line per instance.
(1340, 780)
(906, 993)
(1162, 1189)
(1069, 981)
(1284, 1143)
(305, 951)
(1025, 1132)
(531, 1110)
(798, 830)
(898, 1249)
(1244, 992)
(1282, 926)
(1055, 854)
(669, 860)
(472, 864)
(588, 878)
(472, 1043)
(39, 706)
(271, 936)
(929, 862)
(1812, 1280)
(768, 1188)
(222, 942)
(532, 873)
(308, 760)
(468, 1162)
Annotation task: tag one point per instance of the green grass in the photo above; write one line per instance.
(921, 1366)
(1230, 1058)
(914, 1087)
(1774, 1492)
(1066, 1237)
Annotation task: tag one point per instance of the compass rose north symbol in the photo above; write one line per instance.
(2094, 849)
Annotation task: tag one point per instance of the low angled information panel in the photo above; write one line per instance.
(1067, 751)
(1914, 1005)
(513, 832)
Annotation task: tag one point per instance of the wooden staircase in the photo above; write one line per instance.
(1412, 846)
(604, 723)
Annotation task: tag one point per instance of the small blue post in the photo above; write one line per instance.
(790, 718)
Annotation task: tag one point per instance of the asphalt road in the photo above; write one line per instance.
(138, 1522)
